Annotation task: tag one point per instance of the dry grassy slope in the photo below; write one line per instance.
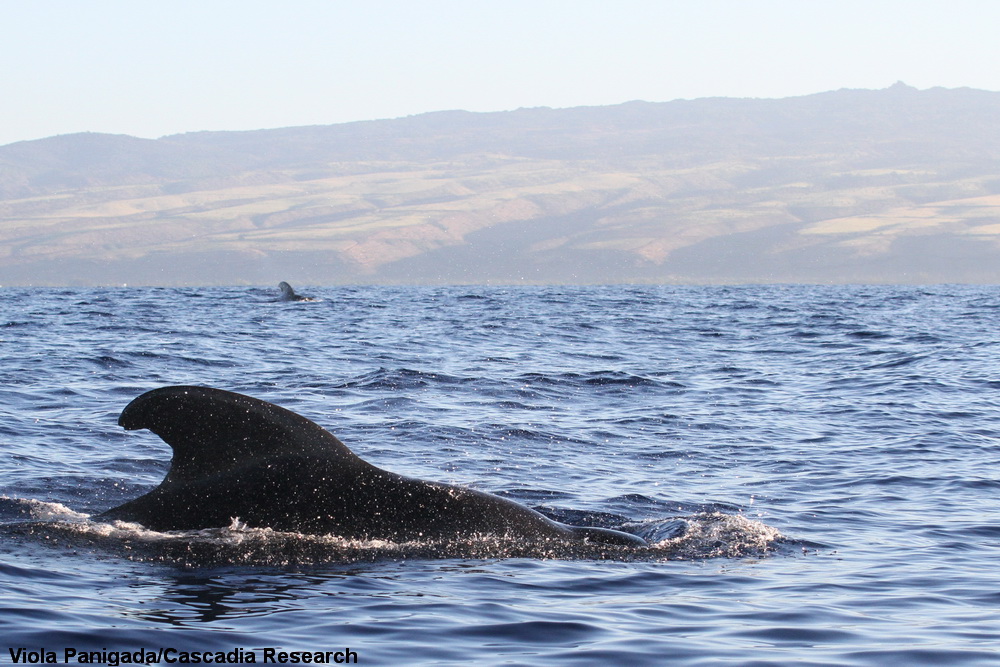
(368, 221)
(646, 204)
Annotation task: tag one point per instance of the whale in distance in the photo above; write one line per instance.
(235, 456)
(288, 294)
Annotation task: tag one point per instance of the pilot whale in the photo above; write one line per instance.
(235, 456)
(288, 294)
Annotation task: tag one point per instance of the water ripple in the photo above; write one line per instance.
(815, 465)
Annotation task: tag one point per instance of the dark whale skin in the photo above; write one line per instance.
(240, 457)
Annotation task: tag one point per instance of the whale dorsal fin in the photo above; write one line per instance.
(212, 431)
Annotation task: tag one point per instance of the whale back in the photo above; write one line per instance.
(238, 456)
(213, 431)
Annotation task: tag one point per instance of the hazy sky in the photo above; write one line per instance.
(151, 67)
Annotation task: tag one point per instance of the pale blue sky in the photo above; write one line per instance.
(155, 67)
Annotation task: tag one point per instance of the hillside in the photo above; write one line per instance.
(895, 185)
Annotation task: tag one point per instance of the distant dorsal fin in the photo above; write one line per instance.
(211, 430)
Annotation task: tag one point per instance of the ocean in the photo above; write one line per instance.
(815, 467)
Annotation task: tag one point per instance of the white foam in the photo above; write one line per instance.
(43, 511)
(719, 535)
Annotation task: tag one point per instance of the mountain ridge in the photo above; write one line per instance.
(893, 185)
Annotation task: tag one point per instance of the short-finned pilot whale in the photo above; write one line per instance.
(240, 457)
(288, 294)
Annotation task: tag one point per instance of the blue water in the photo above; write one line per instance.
(816, 466)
